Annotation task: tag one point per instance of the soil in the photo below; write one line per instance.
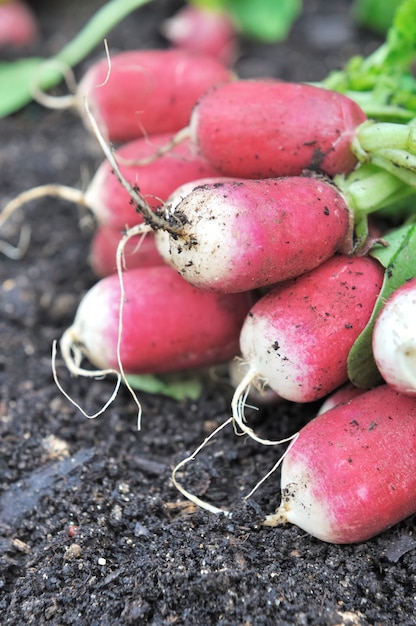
(92, 531)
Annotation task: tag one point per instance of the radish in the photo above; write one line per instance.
(341, 395)
(144, 92)
(350, 473)
(167, 324)
(207, 31)
(292, 127)
(237, 235)
(394, 339)
(268, 128)
(111, 203)
(18, 25)
(297, 337)
(140, 251)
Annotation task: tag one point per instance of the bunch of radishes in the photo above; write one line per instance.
(233, 205)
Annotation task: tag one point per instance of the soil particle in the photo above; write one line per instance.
(91, 529)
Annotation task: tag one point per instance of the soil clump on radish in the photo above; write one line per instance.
(92, 530)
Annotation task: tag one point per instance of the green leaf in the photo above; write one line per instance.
(267, 20)
(399, 259)
(17, 78)
(179, 386)
(375, 14)
(383, 83)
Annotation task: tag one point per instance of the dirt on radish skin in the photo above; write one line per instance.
(239, 235)
(350, 474)
(297, 337)
(293, 127)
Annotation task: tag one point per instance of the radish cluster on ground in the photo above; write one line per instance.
(232, 228)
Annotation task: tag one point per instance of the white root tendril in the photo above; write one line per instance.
(17, 252)
(190, 496)
(73, 355)
(56, 102)
(180, 136)
(292, 440)
(57, 191)
(140, 229)
(238, 405)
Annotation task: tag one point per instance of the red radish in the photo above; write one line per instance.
(146, 92)
(341, 395)
(350, 474)
(167, 324)
(18, 26)
(242, 234)
(111, 203)
(139, 252)
(394, 339)
(297, 337)
(267, 128)
(207, 31)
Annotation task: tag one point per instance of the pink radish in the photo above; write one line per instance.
(167, 324)
(341, 395)
(350, 474)
(267, 128)
(146, 92)
(242, 234)
(207, 31)
(18, 25)
(394, 339)
(140, 251)
(111, 203)
(298, 336)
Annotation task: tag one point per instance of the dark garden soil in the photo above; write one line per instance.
(92, 531)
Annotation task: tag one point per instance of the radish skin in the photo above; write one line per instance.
(394, 339)
(167, 325)
(146, 92)
(264, 129)
(111, 203)
(206, 31)
(297, 337)
(242, 234)
(341, 395)
(140, 251)
(18, 25)
(350, 473)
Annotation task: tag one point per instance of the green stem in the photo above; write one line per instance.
(370, 188)
(90, 36)
(379, 136)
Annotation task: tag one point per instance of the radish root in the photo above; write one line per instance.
(73, 355)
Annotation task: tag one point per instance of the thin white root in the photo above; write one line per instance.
(190, 496)
(17, 252)
(238, 404)
(140, 229)
(56, 102)
(180, 136)
(73, 356)
(292, 440)
(58, 191)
